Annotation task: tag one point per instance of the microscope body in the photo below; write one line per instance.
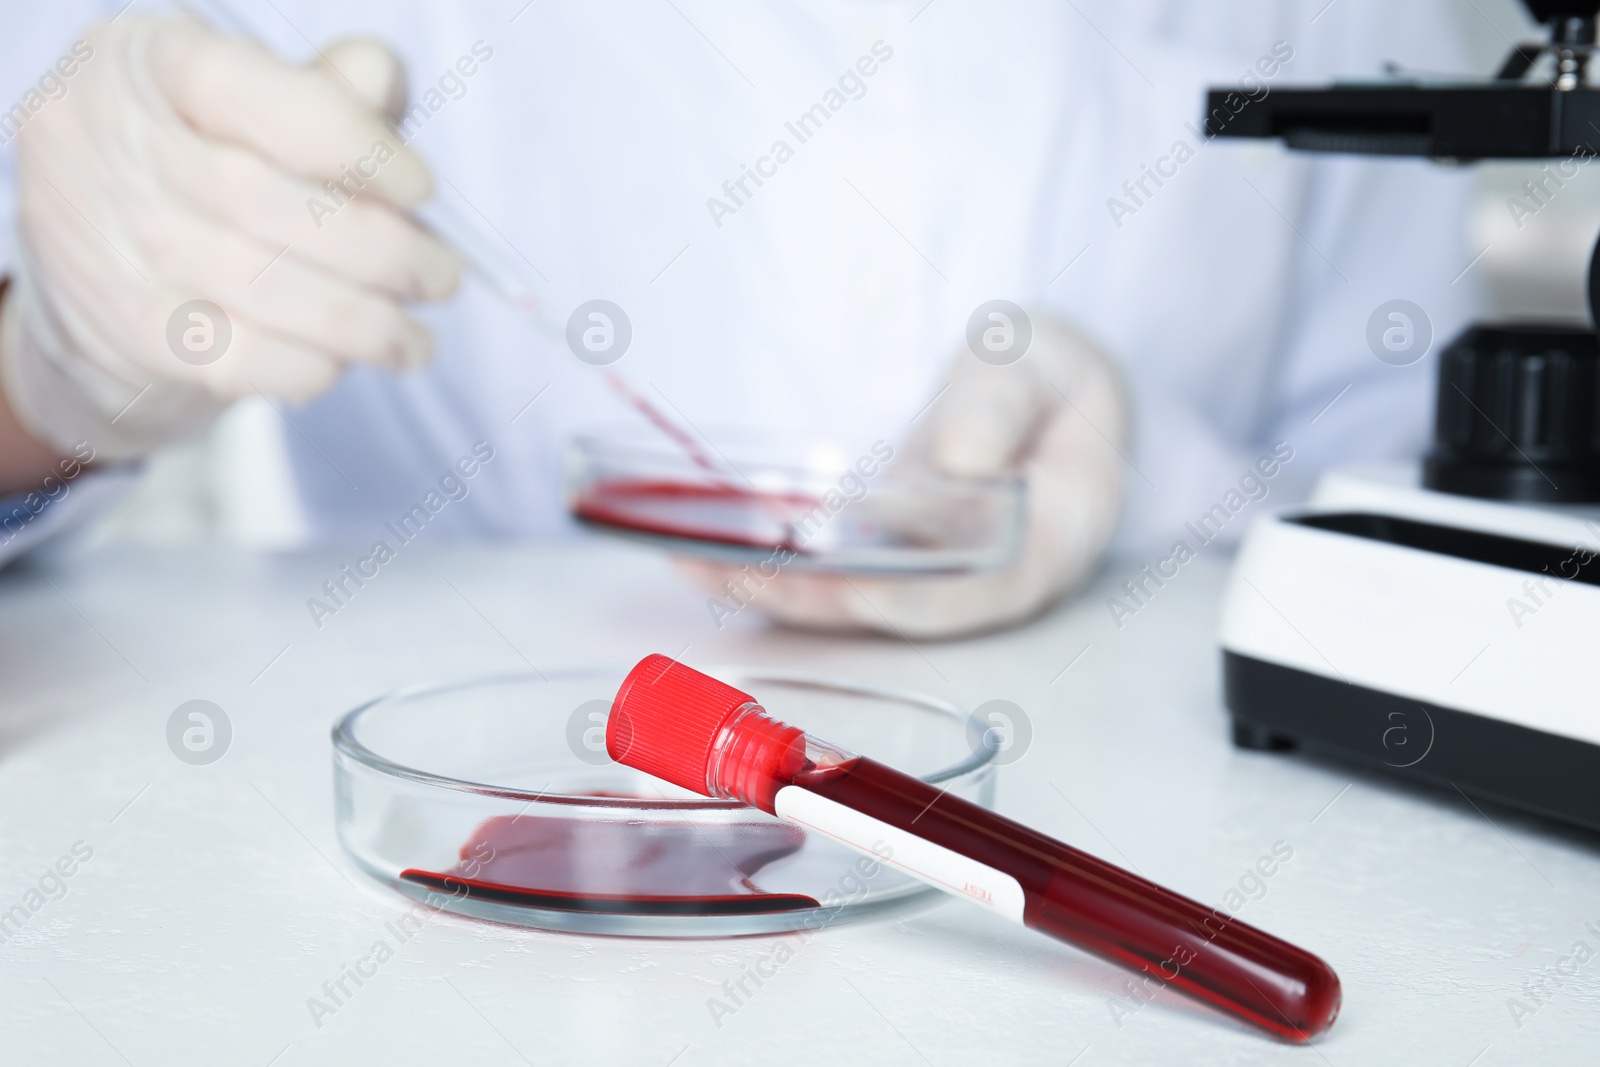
(1440, 620)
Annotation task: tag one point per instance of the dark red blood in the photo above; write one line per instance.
(1165, 938)
(724, 514)
(621, 867)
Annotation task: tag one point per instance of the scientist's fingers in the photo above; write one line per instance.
(367, 241)
(982, 421)
(369, 70)
(376, 246)
(257, 360)
(990, 416)
(1074, 491)
(1087, 433)
(345, 321)
(804, 600)
(235, 90)
(921, 608)
(1074, 485)
(287, 296)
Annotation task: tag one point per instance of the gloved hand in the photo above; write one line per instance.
(1059, 415)
(184, 165)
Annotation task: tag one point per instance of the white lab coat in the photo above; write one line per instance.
(980, 161)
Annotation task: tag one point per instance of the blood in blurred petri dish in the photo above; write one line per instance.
(621, 867)
(725, 514)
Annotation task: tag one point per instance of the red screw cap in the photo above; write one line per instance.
(666, 718)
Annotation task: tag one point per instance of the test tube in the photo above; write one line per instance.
(696, 732)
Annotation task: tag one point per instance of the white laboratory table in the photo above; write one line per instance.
(216, 900)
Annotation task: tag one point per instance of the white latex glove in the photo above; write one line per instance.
(180, 165)
(1059, 415)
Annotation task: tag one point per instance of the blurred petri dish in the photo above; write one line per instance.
(811, 504)
(494, 798)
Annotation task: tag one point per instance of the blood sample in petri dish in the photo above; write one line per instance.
(722, 514)
(621, 867)
(692, 730)
(722, 510)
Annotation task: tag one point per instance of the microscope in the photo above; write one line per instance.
(1441, 620)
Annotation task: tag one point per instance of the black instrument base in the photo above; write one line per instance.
(1279, 709)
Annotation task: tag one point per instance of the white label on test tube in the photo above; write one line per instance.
(934, 864)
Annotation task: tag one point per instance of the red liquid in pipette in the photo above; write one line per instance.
(658, 418)
(621, 867)
(1102, 908)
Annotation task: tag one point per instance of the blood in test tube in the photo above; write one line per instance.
(621, 867)
(690, 729)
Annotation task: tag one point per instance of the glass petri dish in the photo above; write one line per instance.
(812, 504)
(494, 798)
